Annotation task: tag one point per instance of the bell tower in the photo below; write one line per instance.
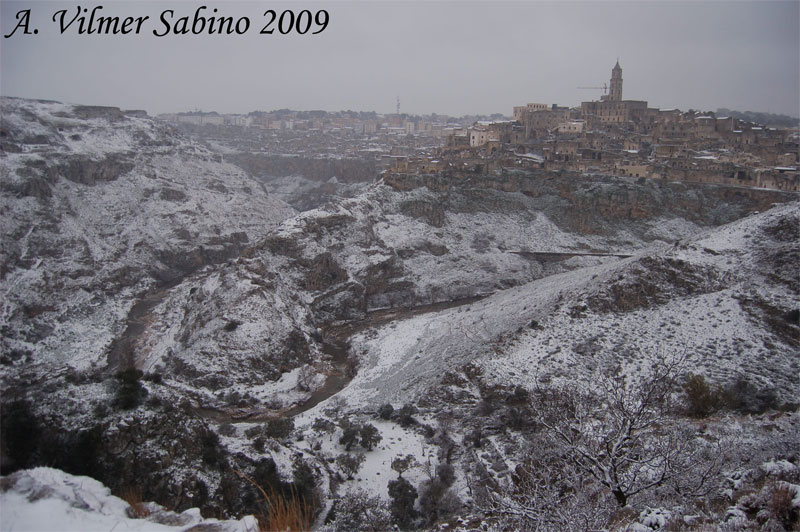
(615, 92)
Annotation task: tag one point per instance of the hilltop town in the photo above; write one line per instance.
(611, 136)
(624, 137)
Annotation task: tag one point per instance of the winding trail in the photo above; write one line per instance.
(555, 256)
(337, 346)
(336, 343)
(121, 354)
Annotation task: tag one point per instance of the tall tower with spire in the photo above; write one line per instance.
(615, 92)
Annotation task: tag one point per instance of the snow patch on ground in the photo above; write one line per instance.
(45, 499)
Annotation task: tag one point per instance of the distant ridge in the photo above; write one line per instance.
(768, 119)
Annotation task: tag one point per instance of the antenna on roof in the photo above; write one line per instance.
(398, 105)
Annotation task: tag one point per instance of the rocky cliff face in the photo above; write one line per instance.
(426, 239)
(308, 182)
(317, 169)
(596, 205)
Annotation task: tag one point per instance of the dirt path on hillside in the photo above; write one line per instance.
(336, 345)
(121, 354)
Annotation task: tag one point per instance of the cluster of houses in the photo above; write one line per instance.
(624, 137)
(607, 136)
(436, 126)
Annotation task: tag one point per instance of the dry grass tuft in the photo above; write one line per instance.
(281, 514)
(133, 496)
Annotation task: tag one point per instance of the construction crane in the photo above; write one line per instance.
(604, 87)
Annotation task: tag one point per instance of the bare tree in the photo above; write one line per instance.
(598, 448)
(349, 464)
(625, 437)
(305, 378)
(548, 493)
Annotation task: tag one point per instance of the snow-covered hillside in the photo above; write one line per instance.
(395, 248)
(383, 249)
(229, 330)
(97, 207)
(418, 319)
(722, 301)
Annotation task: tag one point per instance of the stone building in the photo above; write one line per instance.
(573, 126)
(519, 111)
(612, 109)
(539, 122)
(478, 136)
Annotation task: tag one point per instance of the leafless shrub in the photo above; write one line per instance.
(360, 512)
(305, 378)
(548, 493)
(781, 505)
(349, 464)
(623, 435)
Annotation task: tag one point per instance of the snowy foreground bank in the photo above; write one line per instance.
(49, 500)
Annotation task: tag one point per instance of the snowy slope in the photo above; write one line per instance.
(228, 330)
(387, 248)
(49, 500)
(383, 249)
(98, 206)
(721, 301)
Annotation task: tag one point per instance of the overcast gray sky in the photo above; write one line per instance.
(445, 57)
